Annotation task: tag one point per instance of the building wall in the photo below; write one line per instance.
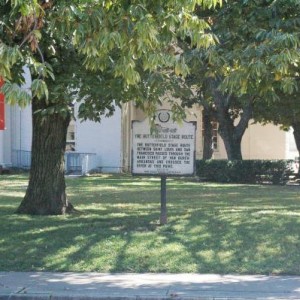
(20, 131)
(110, 140)
(102, 139)
(265, 142)
(13, 136)
(1, 147)
(292, 151)
(128, 114)
(17, 135)
(20, 127)
(259, 141)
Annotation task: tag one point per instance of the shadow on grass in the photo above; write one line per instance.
(212, 229)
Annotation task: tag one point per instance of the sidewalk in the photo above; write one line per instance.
(98, 286)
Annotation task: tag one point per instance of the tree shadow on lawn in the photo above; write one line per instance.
(70, 244)
(209, 243)
(127, 244)
(245, 236)
(207, 233)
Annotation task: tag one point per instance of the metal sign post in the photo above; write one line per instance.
(168, 149)
(163, 200)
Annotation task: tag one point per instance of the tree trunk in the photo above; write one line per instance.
(46, 193)
(296, 127)
(208, 135)
(231, 141)
(230, 133)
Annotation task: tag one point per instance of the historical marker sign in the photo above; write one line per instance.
(168, 150)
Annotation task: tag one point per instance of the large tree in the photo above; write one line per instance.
(280, 76)
(98, 52)
(258, 44)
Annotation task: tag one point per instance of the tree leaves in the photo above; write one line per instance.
(39, 89)
(125, 43)
(139, 31)
(9, 56)
(15, 95)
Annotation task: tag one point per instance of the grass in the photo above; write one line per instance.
(212, 228)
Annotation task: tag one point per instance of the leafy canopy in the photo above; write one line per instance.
(257, 54)
(117, 45)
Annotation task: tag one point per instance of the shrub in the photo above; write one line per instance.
(245, 171)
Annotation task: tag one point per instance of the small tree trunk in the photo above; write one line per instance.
(230, 133)
(208, 135)
(296, 127)
(232, 144)
(46, 193)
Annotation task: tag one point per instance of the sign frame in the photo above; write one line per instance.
(163, 119)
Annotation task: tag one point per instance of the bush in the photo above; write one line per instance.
(245, 171)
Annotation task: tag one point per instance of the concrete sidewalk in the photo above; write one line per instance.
(63, 286)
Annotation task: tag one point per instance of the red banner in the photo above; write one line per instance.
(2, 109)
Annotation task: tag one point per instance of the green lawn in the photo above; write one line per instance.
(212, 228)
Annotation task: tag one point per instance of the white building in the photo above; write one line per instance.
(93, 146)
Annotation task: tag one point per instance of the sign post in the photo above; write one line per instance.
(163, 200)
(168, 149)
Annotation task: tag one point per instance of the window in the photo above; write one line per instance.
(215, 138)
(215, 127)
(70, 146)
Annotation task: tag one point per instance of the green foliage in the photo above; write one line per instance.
(254, 67)
(245, 171)
(39, 89)
(9, 57)
(16, 95)
(116, 45)
(258, 48)
(270, 59)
